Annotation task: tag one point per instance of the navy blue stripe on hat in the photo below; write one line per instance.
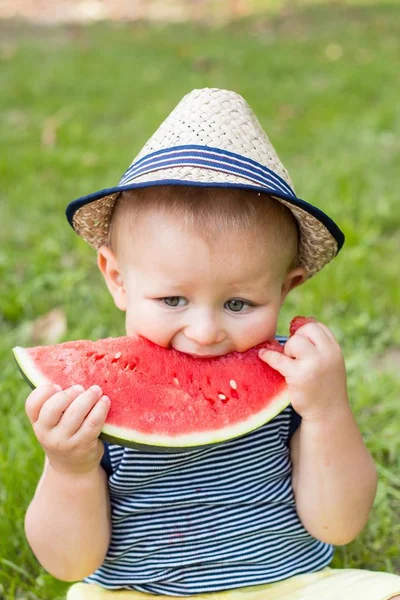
(331, 226)
(211, 158)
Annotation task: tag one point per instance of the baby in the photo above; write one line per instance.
(199, 245)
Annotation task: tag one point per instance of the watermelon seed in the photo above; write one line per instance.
(99, 356)
(176, 381)
(116, 357)
(222, 396)
(233, 384)
(130, 366)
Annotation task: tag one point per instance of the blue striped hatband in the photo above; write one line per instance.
(209, 158)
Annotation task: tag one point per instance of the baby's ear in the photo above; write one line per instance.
(294, 278)
(108, 265)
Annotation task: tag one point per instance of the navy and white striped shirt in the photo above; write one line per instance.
(206, 520)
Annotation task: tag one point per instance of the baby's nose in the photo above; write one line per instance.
(205, 331)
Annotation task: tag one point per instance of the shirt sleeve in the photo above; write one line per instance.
(106, 461)
(295, 420)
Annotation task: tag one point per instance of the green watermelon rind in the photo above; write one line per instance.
(201, 438)
(28, 369)
(138, 440)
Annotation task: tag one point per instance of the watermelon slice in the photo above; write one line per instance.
(162, 398)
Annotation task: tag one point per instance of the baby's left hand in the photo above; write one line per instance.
(313, 366)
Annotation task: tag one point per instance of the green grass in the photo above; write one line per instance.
(323, 81)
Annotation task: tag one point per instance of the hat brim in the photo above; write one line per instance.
(330, 225)
(294, 203)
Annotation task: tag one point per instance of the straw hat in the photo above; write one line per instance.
(212, 138)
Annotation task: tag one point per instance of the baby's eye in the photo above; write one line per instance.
(236, 305)
(174, 300)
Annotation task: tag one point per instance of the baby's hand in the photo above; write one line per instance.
(313, 366)
(67, 425)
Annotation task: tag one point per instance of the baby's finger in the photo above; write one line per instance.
(278, 361)
(93, 424)
(77, 411)
(314, 333)
(327, 331)
(52, 410)
(298, 346)
(37, 398)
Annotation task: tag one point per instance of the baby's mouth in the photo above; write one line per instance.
(204, 355)
(195, 355)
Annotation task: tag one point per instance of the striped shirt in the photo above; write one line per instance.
(207, 519)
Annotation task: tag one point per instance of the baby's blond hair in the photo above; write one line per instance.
(211, 211)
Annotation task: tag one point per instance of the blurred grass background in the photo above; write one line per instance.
(77, 103)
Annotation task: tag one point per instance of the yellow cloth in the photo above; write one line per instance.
(328, 584)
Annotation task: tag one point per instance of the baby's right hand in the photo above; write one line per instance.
(67, 425)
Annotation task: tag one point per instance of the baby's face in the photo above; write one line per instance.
(205, 301)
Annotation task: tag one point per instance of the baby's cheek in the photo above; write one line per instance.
(251, 334)
(151, 327)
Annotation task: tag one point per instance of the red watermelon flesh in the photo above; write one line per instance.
(161, 397)
(298, 322)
